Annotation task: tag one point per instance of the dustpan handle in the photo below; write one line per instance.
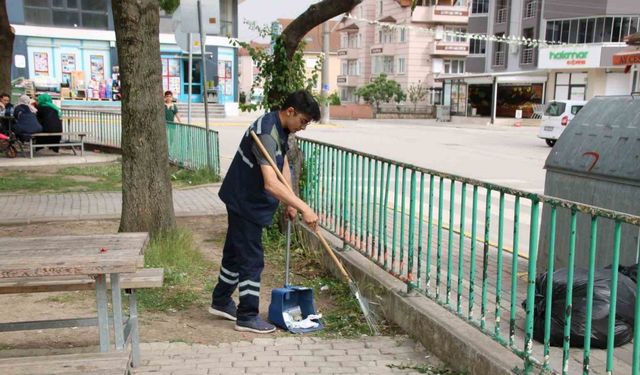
(286, 261)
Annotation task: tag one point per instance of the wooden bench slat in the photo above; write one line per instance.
(143, 278)
(108, 363)
(84, 134)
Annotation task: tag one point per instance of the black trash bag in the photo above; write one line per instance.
(626, 300)
(630, 271)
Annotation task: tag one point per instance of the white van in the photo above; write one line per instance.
(556, 117)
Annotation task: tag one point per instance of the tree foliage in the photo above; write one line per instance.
(416, 92)
(381, 90)
(277, 74)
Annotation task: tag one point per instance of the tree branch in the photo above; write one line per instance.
(312, 17)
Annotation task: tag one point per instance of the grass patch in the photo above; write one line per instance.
(97, 177)
(426, 369)
(185, 271)
(187, 177)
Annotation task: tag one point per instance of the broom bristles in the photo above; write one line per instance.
(366, 311)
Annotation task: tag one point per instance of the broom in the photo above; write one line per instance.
(362, 302)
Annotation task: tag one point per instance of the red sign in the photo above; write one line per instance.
(627, 58)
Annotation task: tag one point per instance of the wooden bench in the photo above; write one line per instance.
(109, 363)
(33, 145)
(143, 278)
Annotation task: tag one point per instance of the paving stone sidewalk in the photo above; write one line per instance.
(288, 355)
(28, 208)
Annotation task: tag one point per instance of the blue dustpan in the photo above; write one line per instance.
(292, 303)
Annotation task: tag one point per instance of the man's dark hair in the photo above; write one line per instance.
(4, 94)
(168, 93)
(303, 102)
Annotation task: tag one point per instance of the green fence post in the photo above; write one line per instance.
(485, 260)
(566, 355)
(402, 221)
(499, 266)
(439, 244)
(514, 271)
(472, 266)
(421, 225)
(531, 284)
(463, 204)
(590, 281)
(617, 234)
(452, 197)
(429, 233)
(412, 214)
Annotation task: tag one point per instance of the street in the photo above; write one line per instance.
(508, 156)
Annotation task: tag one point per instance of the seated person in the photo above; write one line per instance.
(26, 121)
(49, 117)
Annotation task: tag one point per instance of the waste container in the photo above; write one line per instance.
(443, 113)
(595, 161)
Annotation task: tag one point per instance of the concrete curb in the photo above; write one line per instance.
(460, 345)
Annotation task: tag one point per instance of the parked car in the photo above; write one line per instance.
(557, 116)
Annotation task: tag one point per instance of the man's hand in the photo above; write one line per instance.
(291, 212)
(310, 218)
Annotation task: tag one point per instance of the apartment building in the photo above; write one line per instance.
(501, 78)
(420, 47)
(60, 39)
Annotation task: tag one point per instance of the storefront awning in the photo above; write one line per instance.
(627, 57)
(534, 76)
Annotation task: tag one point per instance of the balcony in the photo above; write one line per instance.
(348, 53)
(501, 15)
(347, 80)
(441, 14)
(445, 48)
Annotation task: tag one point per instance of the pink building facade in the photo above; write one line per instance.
(417, 50)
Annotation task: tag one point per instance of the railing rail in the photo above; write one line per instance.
(186, 143)
(434, 231)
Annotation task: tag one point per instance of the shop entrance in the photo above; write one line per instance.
(480, 98)
(196, 76)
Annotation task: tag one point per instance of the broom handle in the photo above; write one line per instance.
(325, 245)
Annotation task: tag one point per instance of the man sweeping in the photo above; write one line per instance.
(251, 191)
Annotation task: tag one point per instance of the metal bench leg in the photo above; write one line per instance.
(31, 149)
(116, 300)
(82, 146)
(135, 333)
(103, 313)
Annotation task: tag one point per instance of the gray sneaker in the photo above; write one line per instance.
(255, 325)
(227, 312)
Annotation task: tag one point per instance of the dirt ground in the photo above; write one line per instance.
(193, 325)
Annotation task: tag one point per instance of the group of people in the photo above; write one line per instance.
(31, 117)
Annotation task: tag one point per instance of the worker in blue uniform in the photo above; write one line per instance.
(251, 191)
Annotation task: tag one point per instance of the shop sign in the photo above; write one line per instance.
(557, 57)
(375, 51)
(342, 79)
(456, 13)
(449, 47)
(342, 52)
(627, 58)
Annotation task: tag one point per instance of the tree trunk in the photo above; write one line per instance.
(147, 203)
(7, 36)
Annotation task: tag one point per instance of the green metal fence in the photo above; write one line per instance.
(471, 246)
(187, 143)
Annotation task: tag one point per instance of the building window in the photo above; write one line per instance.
(531, 8)
(403, 35)
(454, 66)
(480, 7)
(526, 56)
(353, 67)
(383, 64)
(386, 35)
(401, 65)
(477, 47)
(499, 49)
(353, 40)
(90, 14)
(591, 30)
(347, 94)
(380, 8)
(452, 34)
(571, 86)
(502, 11)
(344, 67)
